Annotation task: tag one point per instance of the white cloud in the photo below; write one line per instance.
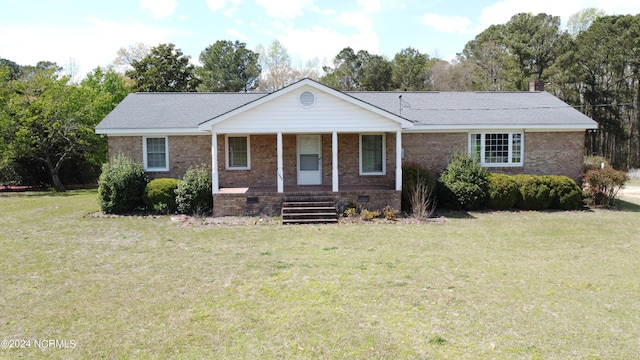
(324, 43)
(618, 7)
(216, 5)
(286, 9)
(236, 35)
(453, 24)
(324, 12)
(369, 5)
(360, 21)
(159, 8)
(502, 11)
(95, 44)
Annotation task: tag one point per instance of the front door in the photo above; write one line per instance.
(309, 160)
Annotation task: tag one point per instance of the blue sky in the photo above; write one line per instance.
(90, 32)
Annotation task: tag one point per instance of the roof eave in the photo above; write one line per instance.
(144, 131)
(467, 127)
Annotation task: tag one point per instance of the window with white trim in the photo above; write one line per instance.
(156, 153)
(497, 149)
(372, 154)
(238, 152)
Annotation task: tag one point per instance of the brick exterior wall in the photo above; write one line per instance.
(270, 203)
(264, 162)
(127, 145)
(545, 153)
(184, 152)
(433, 151)
(550, 153)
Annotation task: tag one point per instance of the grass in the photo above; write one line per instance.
(504, 285)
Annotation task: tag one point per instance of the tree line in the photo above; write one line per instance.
(46, 120)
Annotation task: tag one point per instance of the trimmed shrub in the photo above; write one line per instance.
(369, 215)
(534, 192)
(390, 213)
(565, 193)
(121, 185)
(463, 184)
(414, 176)
(594, 162)
(601, 186)
(193, 195)
(502, 192)
(160, 195)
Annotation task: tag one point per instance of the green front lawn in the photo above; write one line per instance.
(504, 285)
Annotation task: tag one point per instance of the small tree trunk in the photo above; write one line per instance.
(54, 171)
(57, 184)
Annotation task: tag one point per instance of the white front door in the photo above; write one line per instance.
(309, 160)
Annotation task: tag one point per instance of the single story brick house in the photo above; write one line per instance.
(308, 139)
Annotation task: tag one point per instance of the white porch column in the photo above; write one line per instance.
(215, 187)
(334, 162)
(280, 170)
(399, 160)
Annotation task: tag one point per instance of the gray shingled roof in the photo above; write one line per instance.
(456, 109)
(478, 108)
(172, 110)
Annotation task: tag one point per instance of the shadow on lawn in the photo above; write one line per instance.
(45, 192)
(451, 214)
(622, 205)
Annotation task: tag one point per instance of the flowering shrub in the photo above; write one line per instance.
(601, 186)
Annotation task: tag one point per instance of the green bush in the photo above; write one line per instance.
(602, 185)
(534, 192)
(463, 184)
(121, 185)
(193, 195)
(593, 162)
(502, 193)
(412, 176)
(160, 195)
(565, 193)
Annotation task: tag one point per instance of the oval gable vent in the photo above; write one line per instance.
(307, 99)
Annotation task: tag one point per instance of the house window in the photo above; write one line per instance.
(497, 149)
(156, 154)
(372, 154)
(238, 157)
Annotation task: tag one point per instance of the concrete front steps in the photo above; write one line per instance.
(301, 211)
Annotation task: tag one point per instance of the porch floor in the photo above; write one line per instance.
(301, 188)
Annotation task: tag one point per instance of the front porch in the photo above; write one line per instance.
(266, 200)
